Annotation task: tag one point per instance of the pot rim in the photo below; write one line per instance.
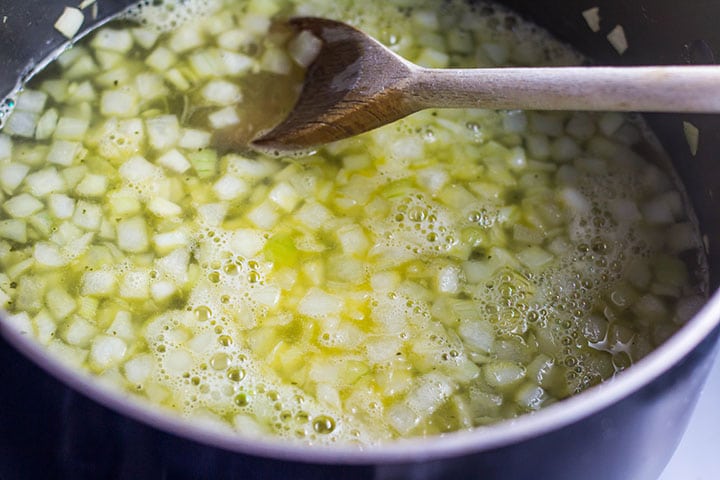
(453, 444)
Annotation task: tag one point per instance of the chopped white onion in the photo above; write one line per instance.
(69, 22)
(592, 18)
(692, 135)
(617, 39)
(304, 48)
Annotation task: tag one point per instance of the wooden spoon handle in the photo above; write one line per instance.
(644, 89)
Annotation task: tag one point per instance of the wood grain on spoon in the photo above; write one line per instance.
(356, 84)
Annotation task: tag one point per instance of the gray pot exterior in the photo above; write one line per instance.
(52, 431)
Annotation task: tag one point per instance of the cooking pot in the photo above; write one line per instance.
(55, 423)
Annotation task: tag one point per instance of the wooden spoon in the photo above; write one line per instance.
(356, 84)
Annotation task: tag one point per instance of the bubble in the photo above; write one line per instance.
(164, 16)
(203, 313)
(231, 269)
(323, 424)
(417, 214)
(241, 399)
(236, 374)
(219, 361)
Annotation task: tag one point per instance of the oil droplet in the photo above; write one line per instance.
(241, 399)
(253, 277)
(203, 313)
(323, 424)
(225, 340)
(417, 214)
(236, 374)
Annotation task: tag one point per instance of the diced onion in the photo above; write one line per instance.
(224, 118)
(22, 206)
(46, 124)
(161, 59)
(617, 39)
(32, 101)
(121, 103)
(503, 373)
(5, 146)
(220, 92)
(14, 229)
(132, 235)
(692, 135)
(276, 61)
(230, 187)
(120, 41)
(12, 175)
(304, 48)
(592, 18)
(100, 283)
(69, 22)
(318, 303)
(21, 124)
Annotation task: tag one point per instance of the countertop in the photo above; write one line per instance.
(698, 455)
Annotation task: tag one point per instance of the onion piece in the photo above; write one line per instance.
(12, 175)
(304, 48)
(6, 145)
(69, 22)
(592, 18)
(692, 135)
(617, 39)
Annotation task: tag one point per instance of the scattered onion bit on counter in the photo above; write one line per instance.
(592, 17)
(692, 135)
(617, 39)
(69, 22)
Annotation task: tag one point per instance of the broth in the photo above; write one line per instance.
(448, 271)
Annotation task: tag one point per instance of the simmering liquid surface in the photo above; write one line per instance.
(448, 271)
